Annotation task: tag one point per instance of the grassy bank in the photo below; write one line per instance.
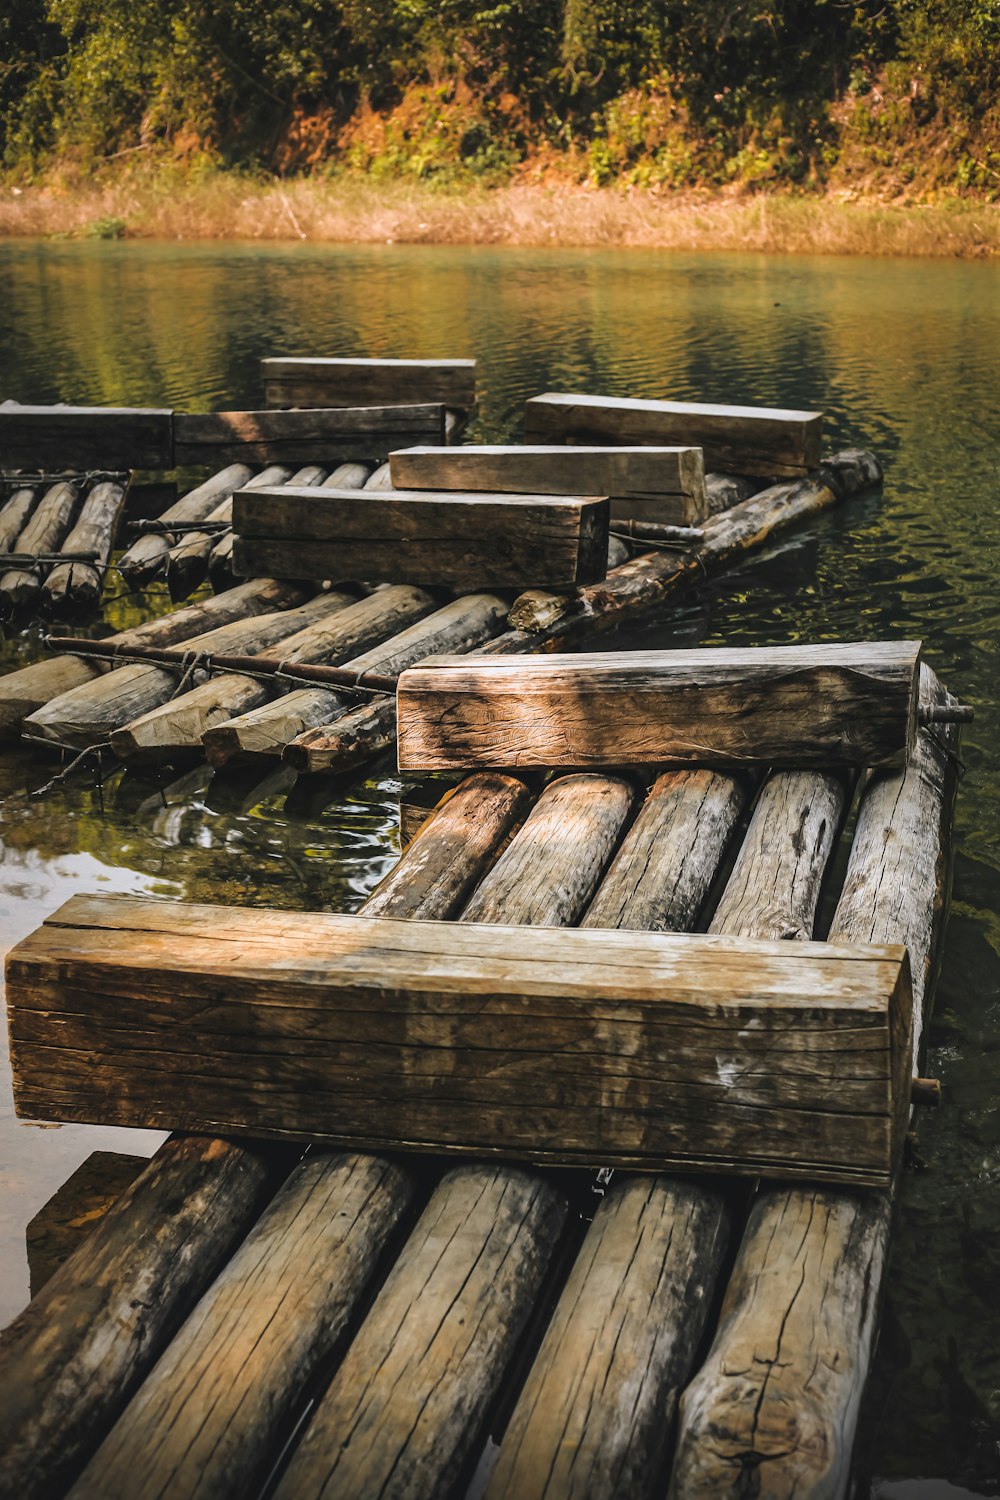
(351, 210)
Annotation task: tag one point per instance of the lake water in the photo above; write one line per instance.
(902, 356)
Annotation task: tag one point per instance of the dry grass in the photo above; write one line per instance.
(360, 211)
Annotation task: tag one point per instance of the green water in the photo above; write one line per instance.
(901, 356)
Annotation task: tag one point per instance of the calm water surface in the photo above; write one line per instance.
(902, 356)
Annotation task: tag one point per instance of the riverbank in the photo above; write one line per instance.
(350, 210)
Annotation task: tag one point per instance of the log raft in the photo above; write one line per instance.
(612, 1346)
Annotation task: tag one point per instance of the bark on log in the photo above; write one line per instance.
(209, 1418)
(141, 563)
(30, 688)
(70, 1361)
(723, 491)
(76, 587)
(776, 1403)
(45, 532)
(87, 714)
(737, 439)
(846, 703)
(187, 560)
(466, 622)
(15, 513)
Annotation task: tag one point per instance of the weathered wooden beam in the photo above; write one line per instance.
(849, 703)
(76, 587)
(316, 435)
(85, 437)
(369, 382)
(780, 1391)
(652, 484)
(738, 439)
(72, 1358)
(413, 1041)
(147, 556)
(466, 541)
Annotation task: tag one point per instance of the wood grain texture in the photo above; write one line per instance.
(736, 439)
(403, 1411)
(656, 484)
(14, 514)
(76, 587)
(72, 1358)
(146, 557)
(208, 1420)
(316, 435)
(369, 382)
(429, 1036)
(466, 541)
(87, 437)
(45, 532)
(779, 1394)
(847, 703)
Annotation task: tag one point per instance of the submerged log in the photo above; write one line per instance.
(44, 532)
(147, 557)
(70, 1361)
(187, 560)
(31, 687)
(15, 513)
(847, 703)
(87, 714)
(77, 586)
(345, 625)
(738, 439)
(318, 745)
(779, 1394)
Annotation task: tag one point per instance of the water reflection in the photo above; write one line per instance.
(900, 355)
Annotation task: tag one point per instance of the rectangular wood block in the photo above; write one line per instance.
(649, 484)
(369, 382)
(735, 439)
(317, 435)
(50, 438)
(466, 541)
(595, 1047)
(844, 704)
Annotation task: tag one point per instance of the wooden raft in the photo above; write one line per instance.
(649, 1050)
(362, 1323)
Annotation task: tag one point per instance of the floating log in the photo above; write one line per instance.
(72, 1358)
(76, 587)
(467, 541)
(275, 1314)
(87, 714)
(659, 1018)
(369, 382)
(345, 626)
(188, 559)
(44, 533)
(31, 687)
(723, 491)
(14, 514)
(348, 477)
(85, 437)
(147, 556)
(379, 479)
(848, 703)
(812, 1262)
(317, 435)
(738, 439)
(652, 484)
(465, 622)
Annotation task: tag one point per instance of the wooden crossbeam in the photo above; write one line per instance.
(576, 1046)
(840, 704)
(650, 484)
(738, 439)
(302, 437)
(85, 436)
(375, 382)
(467, 541)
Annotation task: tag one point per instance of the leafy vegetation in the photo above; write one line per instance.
(896, 94)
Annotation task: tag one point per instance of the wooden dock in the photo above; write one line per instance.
(354, 1323)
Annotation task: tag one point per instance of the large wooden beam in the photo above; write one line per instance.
(578, 1046)
(369, 382)
(466, 541)
(87, 437)
(740, 439)
(318, 435)
(650, 484)
(849, 703)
